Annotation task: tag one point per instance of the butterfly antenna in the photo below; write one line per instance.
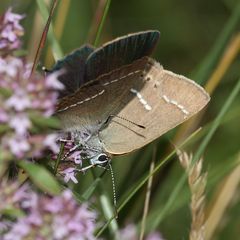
(127, 120)
(114, 190)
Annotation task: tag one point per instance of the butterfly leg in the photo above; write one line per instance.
(70, 151)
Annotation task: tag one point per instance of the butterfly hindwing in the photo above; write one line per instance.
(165, 101)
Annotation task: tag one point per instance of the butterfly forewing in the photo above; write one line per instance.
(165, 101)
(119, 52)
(73, 66)
(97, 100)
(86, 63)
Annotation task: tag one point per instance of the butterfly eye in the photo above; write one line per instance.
(102, 160)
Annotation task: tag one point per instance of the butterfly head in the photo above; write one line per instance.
(101, 160)
(89, 148)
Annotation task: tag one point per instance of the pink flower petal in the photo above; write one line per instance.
(53, 82)
(69, 175)
(19, 101)
(50, 142)
(3, 116)
(20, 123)
(18, 146)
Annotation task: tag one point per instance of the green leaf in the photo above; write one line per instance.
(40, 121)
(41, 177)
(88, 193)
(4, 128)
(5, 92)
(12, 212)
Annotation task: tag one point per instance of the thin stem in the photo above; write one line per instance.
(96, 19)
(43, 37)
(148, 194)
(58, 158)
(59, 24)
(100, 27)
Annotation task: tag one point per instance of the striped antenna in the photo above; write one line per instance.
(114, 190)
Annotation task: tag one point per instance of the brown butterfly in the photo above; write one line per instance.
(117, 99)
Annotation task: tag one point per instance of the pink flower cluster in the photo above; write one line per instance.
(58, 218)
(23, 99)
(10, 31)
(11, 194)
(73, 156)
(68, 166)
(46, 217)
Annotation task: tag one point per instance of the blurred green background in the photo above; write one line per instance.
(191, 31)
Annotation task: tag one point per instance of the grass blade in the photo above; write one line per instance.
(100, 27)
(148, 193)
(57, 51)
(44, 34)
(41, 177)
(208, 64)
(59, 24)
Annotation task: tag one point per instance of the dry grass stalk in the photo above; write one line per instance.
(225, 195)
(197, 184)
(148, 194)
